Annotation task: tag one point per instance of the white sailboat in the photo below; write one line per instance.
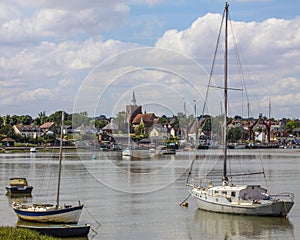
(54, 213)
(238, 199)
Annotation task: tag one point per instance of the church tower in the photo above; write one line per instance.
(133, 100)
(133, 109)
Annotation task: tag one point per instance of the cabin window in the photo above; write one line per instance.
(232, 194)
(216, 192)
(224, 192)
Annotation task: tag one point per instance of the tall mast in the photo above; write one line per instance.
(225, 95)
(60, 158)
(269, 108)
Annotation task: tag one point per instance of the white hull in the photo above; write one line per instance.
(224, 204)
(126, 152)
(48, 214)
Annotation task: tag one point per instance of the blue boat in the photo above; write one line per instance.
(48, 213)
(51, 213)
(61, 230)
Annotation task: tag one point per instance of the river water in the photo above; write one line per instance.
(138, 198)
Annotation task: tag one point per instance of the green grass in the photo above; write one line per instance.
(13, 233)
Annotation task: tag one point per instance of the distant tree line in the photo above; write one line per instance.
(75, 120)
(179, 122)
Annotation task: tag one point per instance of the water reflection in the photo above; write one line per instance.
(18, 199)
(208, 225)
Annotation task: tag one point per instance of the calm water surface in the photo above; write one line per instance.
(139, 198)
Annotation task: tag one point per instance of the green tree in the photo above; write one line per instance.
(8, 131)
(140, 130)
(99, 124)
(120, 119)
(291, 125)
(42, 118)
(207, 124)
(25, 120)
(234, 134)
(163, 120)
(1, 122)
(13, 120)
(185, 121)
(217, 123)
(176, 124)
(79, 119)
(7, 119)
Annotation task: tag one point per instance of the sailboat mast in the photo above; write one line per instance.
(60, 159)
(225, 93)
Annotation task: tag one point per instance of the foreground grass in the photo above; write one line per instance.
(13, 233)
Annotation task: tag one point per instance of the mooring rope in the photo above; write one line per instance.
(185, 200)
(99, 224)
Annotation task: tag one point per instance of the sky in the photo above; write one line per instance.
(92, 55)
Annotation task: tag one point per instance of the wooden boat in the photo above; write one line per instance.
(55, 213)
(237, 199)
(60, 230)
(18, 186)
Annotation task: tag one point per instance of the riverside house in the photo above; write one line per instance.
(28, 131)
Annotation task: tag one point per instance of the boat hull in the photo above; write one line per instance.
(264, 208)
(61, 231)
(53, 215)
(18, 186)
(19, 190)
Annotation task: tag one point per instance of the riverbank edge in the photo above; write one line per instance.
(15, 233)
(38, 149)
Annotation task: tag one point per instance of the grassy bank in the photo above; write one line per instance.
(13, 233)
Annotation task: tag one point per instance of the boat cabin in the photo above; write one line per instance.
(18, 186)
(18, 182)
(244, 192)
(253, 192)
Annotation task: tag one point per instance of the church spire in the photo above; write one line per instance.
(133, 101)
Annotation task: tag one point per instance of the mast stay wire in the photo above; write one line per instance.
(244, 85)
(207, 89)
(238, 53)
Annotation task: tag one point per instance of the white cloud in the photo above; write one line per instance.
(250, 1)
(59, 20)
(146, 2)
(35, 94)
(73, 5)
(270, 50)
(8, 12)
(61, 23)
(48, 47)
